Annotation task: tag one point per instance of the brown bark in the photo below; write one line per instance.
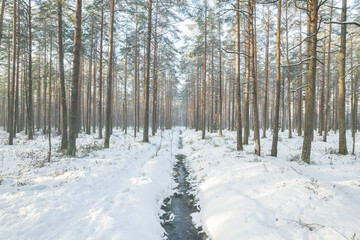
(154, 90)
(247, 79)
(147, 76)
(30, 112)
(310, 80)
(124, 123)
(278, 82)
(220, 84)
(300, 91)
(342, 91)
(266, 111)
(11, 107)
(327, 103)
(62, 78)
(288, 70)
(89, 83)
(108, 111)
(100, 100)
(239, 144)
(204, 76)
(254, 81)
(71, 150)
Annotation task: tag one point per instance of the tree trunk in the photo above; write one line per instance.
(45, 83)
(124, 123)
(49, 102)
(94, 89)
(310, 80)
(108, 123)
(154, 90)
(288, 71)
(30, 113)
(89, 82)
(204, 76)
(265, 113)
(11, 107)
(64, 135)
(247, 79)
(300, 91)
(100, 110)
(327, 106)
(239, 145)
(278, 82)
(75, 82)
(342, 91)
(254, 81)
(220, 84)
(147, 76)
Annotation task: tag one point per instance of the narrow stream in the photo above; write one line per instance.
(179, 207)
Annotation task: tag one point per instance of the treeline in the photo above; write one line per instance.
(241, 65)
(274, 65)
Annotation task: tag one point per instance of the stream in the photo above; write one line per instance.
(177, 221)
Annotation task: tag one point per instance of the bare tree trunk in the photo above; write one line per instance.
(342, 92)
(124, 123)
(247, 79)
(75, 82)
(322, 90)
(327, 106)
(64, 141)
(278, 82)
(108, 123)
(94, 89)
(211, 125)
(89, 82)
(254, 81)
(100, 110)
(300, 91)
(38, 98)
(239, 144)
(288, 71)
(30, 113)
(266, 112)
(310, 80)
(220, 84)
(154, 90)
(11, 107)
(135, 74)
(147, 76)
(204, 77)
(50, 95)
(16, 117)
(45, 82)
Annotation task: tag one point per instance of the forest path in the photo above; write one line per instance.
(179, 207)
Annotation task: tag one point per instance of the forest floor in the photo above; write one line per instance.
(119, 193)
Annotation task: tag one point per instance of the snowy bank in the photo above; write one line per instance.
(111, 193)
(243, 196)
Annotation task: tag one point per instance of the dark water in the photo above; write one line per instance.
(182, 205)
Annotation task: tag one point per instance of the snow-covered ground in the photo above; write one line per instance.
(243, 196)
(117, 193)
(114, 193)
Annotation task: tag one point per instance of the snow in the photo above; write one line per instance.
(117, 193)
(111, 193)
(243, 195)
